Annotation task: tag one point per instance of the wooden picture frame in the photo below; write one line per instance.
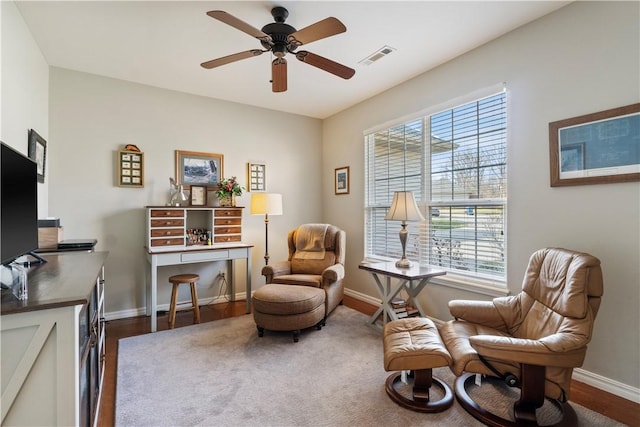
(597, 148)
(257, 176)
(130, 169)
(341, 180)
(198, 196)
(196, 168)
(38, 152)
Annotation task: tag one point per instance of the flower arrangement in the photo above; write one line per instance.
(229, 187)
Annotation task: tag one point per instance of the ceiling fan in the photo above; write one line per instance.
(280, 38)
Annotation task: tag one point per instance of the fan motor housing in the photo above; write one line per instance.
(279, 32)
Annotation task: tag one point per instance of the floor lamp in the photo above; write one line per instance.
(266, 204)
(403, 208)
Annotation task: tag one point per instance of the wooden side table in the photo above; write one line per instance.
(413, 280)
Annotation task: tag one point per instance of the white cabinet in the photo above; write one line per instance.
(180, 227)
(52, 344)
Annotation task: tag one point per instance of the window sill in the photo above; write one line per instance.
(477, 286)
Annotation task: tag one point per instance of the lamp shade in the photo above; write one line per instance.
(404, 208)
(266, 203)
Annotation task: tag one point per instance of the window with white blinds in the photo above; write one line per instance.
(454, 162)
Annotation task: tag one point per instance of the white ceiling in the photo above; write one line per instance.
(163, 43)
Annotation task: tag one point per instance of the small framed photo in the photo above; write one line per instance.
(198, 195)
(38, 152)
(342, 180)
(257, 176)
(194, 168)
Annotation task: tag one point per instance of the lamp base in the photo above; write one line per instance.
(403, 263)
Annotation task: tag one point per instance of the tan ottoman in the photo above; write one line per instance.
(288, 308)
(414, 344)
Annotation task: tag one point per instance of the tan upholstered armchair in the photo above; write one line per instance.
(316, 258)
(532, 340)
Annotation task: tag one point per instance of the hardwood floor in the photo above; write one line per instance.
(612, 406)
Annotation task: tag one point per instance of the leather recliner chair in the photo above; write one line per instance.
(532, 340)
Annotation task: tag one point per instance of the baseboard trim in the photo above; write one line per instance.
(594, 380)
(141, 311)
(606, 384)
(362, 297)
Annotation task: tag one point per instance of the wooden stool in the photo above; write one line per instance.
(176, 281)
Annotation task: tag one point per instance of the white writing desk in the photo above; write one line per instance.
(413, 280)
(159, 257)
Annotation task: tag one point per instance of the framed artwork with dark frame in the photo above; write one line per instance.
(341, 180)
(597, 148)
(195, 168)
(198, 195)
(257, 176)
(38, 152)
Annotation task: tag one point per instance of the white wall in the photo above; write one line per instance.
(581, 59)
(24, 89)
(92, 117)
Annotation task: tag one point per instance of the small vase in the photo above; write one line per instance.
(228, 200)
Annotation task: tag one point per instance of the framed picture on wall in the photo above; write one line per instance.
(38, 152)
(341, 180)
(257, 176)
(130, 169)
(597, 148)
(195, 168)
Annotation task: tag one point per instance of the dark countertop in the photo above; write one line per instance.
(67, 279)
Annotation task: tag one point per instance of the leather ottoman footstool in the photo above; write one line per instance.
(288, 308)
(414, 344)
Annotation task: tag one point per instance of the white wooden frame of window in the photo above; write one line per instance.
(476, 283)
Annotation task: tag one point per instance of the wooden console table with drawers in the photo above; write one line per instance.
(171, 241)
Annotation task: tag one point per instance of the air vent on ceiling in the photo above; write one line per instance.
(377, 55)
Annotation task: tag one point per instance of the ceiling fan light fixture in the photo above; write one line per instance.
(377, 55)
(279, 39)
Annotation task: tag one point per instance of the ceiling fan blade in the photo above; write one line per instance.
(320, 30)
(279, 75)
(325, 64)
(231, 58)
(239, 24)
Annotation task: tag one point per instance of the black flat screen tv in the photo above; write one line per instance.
(18, 205)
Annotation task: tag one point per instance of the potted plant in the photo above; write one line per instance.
(227, 191)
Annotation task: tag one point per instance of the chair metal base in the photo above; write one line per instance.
(422, 381)
(524, 409)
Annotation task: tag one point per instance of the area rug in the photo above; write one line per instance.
(222, 374)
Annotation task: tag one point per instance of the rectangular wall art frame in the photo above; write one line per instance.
(38, 152)
(257, 176)
(341, 180)
(194, 168)
(130, 169)
(598, 148)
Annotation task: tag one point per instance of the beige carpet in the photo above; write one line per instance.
(221, 373)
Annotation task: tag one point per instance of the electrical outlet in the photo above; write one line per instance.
(221, 274)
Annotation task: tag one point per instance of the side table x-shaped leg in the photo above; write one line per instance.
(413, 280)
